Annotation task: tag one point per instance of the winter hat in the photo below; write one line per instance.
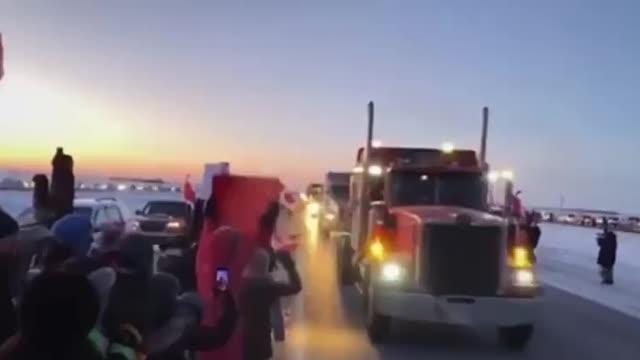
(75, 231)
(290, 200)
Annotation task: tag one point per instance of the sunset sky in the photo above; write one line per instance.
(157, 88)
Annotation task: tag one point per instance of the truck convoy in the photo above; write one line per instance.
(424, 246)
(334, 214)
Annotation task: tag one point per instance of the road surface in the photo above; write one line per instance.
(328, 324)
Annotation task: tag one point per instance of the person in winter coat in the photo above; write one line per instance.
(257, 296)
(57, 313)
(8, 234)
(608, 244)
(533, 234)
(175, 322)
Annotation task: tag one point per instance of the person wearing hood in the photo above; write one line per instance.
(175, 327)
(608, 246)
(57, 313)
(257, 297)
(8, 238)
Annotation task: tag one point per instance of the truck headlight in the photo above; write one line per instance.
(391, 272)
(314, 208)
(376, 249)
(329, 216)
(524, 278)
(174, 225)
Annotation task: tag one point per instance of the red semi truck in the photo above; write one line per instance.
(424, 245)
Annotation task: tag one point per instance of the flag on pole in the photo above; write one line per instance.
(1, 58)
(187, 191)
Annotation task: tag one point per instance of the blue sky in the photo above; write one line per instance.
(282, 86)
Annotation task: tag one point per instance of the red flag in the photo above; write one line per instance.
(187, 191)
(1, 58)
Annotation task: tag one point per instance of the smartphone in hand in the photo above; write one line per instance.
(222, 278)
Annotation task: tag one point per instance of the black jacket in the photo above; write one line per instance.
(183, 332)
(8, 317)
(257, 296)
(608, 243)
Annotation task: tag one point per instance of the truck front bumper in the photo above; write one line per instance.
(456, 310)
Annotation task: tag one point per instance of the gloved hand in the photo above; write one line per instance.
(191, 303)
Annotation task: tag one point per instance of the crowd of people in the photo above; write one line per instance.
(69, 292)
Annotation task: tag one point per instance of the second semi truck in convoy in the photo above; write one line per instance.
(424, 246)
(334, 214)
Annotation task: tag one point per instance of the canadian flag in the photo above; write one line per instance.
(187, 191)
(1, 58)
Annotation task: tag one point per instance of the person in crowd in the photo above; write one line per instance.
(56, 316)
(259, 293)
(175, 321)
(533, 233)
(76, 232)
(8, 238)
(41, 202)
(608, 244)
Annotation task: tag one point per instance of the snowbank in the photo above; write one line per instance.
(567, 260)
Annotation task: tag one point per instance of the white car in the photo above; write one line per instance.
(103, 212)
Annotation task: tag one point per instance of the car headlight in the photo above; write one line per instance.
(135, 225)
(391, 272)
(174, 225)
(524, 278)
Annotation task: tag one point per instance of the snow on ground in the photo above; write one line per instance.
(567, 260)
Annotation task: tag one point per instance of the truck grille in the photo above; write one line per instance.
(461, 259)
(153, 226)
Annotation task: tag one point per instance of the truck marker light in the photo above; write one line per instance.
(329, 216)
(377, 250)
(521, 258)
(391, 272)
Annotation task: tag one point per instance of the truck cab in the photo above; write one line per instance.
(334, 212)
(429, 249)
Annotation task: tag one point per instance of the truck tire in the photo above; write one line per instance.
(378, 325)
(343, 262)
(516, 337)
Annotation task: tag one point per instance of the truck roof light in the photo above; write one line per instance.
(448, 148)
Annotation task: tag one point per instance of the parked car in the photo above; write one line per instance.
(103, 212)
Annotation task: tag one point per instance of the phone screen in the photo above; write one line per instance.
(222, 278)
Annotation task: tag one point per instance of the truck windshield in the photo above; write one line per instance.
(340, 192)
(453, 189)
(171, 208)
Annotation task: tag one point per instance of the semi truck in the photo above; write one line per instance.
(334, 214)
(424, 246)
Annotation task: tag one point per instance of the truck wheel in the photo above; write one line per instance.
(343, 261)
(516, 337)
(378, 325)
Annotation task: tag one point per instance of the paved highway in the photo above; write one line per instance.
(328, 324)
